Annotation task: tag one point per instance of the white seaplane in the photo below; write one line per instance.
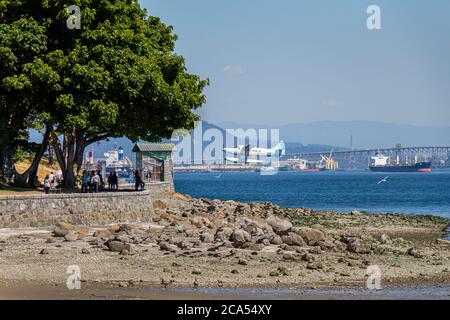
(251, 155)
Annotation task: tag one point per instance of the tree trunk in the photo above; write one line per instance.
(69, 179)
(70, 154)
(79, 151)
(58, 152)
(7, 168)
(65, 156)
(51, 155)
(33, 170)
(28, 178)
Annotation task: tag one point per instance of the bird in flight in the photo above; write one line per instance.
(385, 179)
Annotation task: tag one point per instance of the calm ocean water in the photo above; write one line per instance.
(411, 193)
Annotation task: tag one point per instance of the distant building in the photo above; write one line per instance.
(155, 161)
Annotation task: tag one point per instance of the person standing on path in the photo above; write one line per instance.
(47, 184)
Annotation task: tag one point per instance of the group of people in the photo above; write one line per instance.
(51, 181)
(113, 181)
(92, 181)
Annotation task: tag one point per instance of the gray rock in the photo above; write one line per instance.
(58, 232)
(164, 246)
(314, 266)
(206, 237)
(357, 247)
(276, 240)
(253, 246)
(223, 234)
(414, 252)
(308, 257)
(105, 234)
(279, 226)
(117, 246)
(71, 237)
(196, 271)
(290, 257)
(309, 234)
(315, 250)
(293, 239)
(243, 262)
(384, 239)
(240, 237)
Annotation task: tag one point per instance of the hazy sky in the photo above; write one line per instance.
(287, 61)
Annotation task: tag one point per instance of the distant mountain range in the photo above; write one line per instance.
(366, 134)
(316, 136)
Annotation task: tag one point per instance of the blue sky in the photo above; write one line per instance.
(290, 61)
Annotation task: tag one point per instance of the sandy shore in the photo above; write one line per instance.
(199, 243)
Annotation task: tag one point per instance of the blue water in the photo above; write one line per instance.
(411, 193)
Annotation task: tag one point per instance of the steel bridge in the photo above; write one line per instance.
(439, 155)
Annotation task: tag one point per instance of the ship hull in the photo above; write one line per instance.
(418, 167)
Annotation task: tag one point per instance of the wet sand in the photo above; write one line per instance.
(33, 292)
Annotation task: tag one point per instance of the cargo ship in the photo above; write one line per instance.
(381, 163)
(305, 165)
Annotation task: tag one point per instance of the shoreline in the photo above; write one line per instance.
(32, 291)
(202, 246)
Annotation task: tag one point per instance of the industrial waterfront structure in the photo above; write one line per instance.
(438, 155)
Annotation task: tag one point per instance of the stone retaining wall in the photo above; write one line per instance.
(158, 188)
(80, 209)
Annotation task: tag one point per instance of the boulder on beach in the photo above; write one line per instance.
(71, 237)
(206, 237)
(103, 233)
(279, 226)
(61, 229)
(293, 239)
(117, 246)
(309, 234)
(240, 236)
(164, 246)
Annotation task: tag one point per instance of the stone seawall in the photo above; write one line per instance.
(158, 188)
(81, 209)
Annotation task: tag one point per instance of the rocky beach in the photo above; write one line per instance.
(203, 243)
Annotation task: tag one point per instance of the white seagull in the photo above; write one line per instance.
(385, 179)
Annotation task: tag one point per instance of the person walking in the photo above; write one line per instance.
(101, 185)
(109, 179)
(51, 178)
(47, 184)
(115, 181)
(95, 181)
(138, 183)
(85, 182)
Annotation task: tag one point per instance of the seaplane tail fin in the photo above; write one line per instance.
(280, 149)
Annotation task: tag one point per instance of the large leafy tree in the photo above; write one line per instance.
(116, 76)
(20, 42)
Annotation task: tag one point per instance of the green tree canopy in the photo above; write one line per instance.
(116, 76)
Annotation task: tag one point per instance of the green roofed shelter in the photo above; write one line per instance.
(154, 160)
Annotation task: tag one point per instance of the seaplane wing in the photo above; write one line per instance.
(235, 160)
(254, 161)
